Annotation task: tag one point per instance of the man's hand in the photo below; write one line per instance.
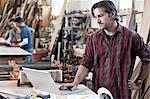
(133, 86)
(80, 75)
(13, 24)
(14, 45)
(68, 86)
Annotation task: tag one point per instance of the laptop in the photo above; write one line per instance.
(43, 81)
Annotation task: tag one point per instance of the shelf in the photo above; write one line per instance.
(72, 28)
(75, 15)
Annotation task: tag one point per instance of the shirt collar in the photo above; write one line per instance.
(119, 30)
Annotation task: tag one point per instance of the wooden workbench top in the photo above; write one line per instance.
(11, 86)
(13, 51)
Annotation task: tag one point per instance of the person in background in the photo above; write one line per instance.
(13, 32)
(110, 53)
(24, 36)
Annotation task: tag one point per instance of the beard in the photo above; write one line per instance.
(101, 26)
(105, 26)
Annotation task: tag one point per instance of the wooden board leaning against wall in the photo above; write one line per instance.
(57, 28)
(145, 33)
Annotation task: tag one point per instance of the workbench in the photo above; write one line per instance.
(11, 86)
(16, 53)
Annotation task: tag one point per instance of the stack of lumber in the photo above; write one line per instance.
(36, 13)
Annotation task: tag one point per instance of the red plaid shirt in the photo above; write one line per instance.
(115, 60)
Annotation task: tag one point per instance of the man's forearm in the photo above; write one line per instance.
(17, 30)
(144, 72)
(81, 74)
(24, 42)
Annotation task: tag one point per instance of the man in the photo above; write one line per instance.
(111, 54)
(24, 38)
(13, 32)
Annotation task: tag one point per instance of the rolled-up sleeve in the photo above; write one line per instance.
(142, 50)
(88, 59)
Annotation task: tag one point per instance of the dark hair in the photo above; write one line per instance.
(108, 6)
(19, 19)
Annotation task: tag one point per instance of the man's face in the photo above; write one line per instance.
(17, 24)
(104, 20)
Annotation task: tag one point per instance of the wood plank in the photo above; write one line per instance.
(144, 32)
(16, 51)
(131, 21)
(147, 84)
(30, 15)
(46, 14)
(0, 8)
(27, 10)
(4, 22)
(11, 87)
(2, 5)
(23, 6)
(145, 25)
(57, 28)
(5, 8)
